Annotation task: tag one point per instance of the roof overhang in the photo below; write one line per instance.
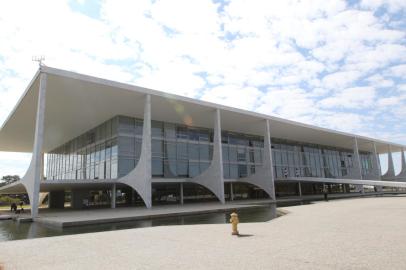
(76, 103)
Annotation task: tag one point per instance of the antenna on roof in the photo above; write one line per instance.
(39, 59)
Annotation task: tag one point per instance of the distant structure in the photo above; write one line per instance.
(39, 59)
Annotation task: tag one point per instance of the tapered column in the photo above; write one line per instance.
(140, 177)
(113, 196)
(391, 167)
(268, 162)
(377, 167)
(390, 174)
(212, 177)
(402, 175)
(357, 166)
(263, 176)
(34, 175)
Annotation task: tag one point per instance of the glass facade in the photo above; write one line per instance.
(180, 151)
(112, 150)
(242, 154)
(93, 155)
(295, 159)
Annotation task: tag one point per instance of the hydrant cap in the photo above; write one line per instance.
(234, 214)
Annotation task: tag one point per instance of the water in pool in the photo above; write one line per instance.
(12, 230)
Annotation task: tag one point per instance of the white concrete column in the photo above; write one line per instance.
(263, 176)
(212, 178)
(402, 175)
(268, 160)
(391, 167)
(34, 175)
(377, 167)
(181, 193)
(390, 174)
(357, 165)
(140, 177)
(113, 196)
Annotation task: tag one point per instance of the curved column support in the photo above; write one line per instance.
(263, 177)
(375, 174)
(212, 177)
(34, 175)
(140, 177)
(390, 174)
(377, 164)
(402, 175)
(356, 171)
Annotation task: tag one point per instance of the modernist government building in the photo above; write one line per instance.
(96, 142)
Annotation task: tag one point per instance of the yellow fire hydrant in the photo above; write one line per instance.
(234, 223)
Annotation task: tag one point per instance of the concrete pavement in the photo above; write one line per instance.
(364, 233)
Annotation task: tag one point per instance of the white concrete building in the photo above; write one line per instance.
(92, 138)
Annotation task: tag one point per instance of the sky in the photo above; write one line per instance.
(335, 64)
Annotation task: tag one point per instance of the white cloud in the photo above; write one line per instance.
(192, 17)
(391, 5)
(14, 163)
(276, 57)
(233, 95)
(351, 98)
(340, 79)
(344, 121)
(401, 87)
(397, 71)
(389, 101)
(289, 103)
(378, 81)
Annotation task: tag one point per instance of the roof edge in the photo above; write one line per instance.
(130, 87)
(22, 97)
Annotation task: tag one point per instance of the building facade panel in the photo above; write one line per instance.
(112, 150)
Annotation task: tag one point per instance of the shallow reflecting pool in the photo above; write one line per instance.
(12, 230)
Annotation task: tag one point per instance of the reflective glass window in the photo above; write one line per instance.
(193, 149)
(139, 127)
(204, 152)
(156, 129)
(241, 154)
(157, 167)
(233, 171)
(193, 169)
(193, 134)
(182, 151)
(204, 166)
(156, 148)
(114, 168)
(232, 151)
(182, 168)
(242, 170)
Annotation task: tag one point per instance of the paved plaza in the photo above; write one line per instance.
(364, 233)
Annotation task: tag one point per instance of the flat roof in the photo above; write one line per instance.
(75, 103)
